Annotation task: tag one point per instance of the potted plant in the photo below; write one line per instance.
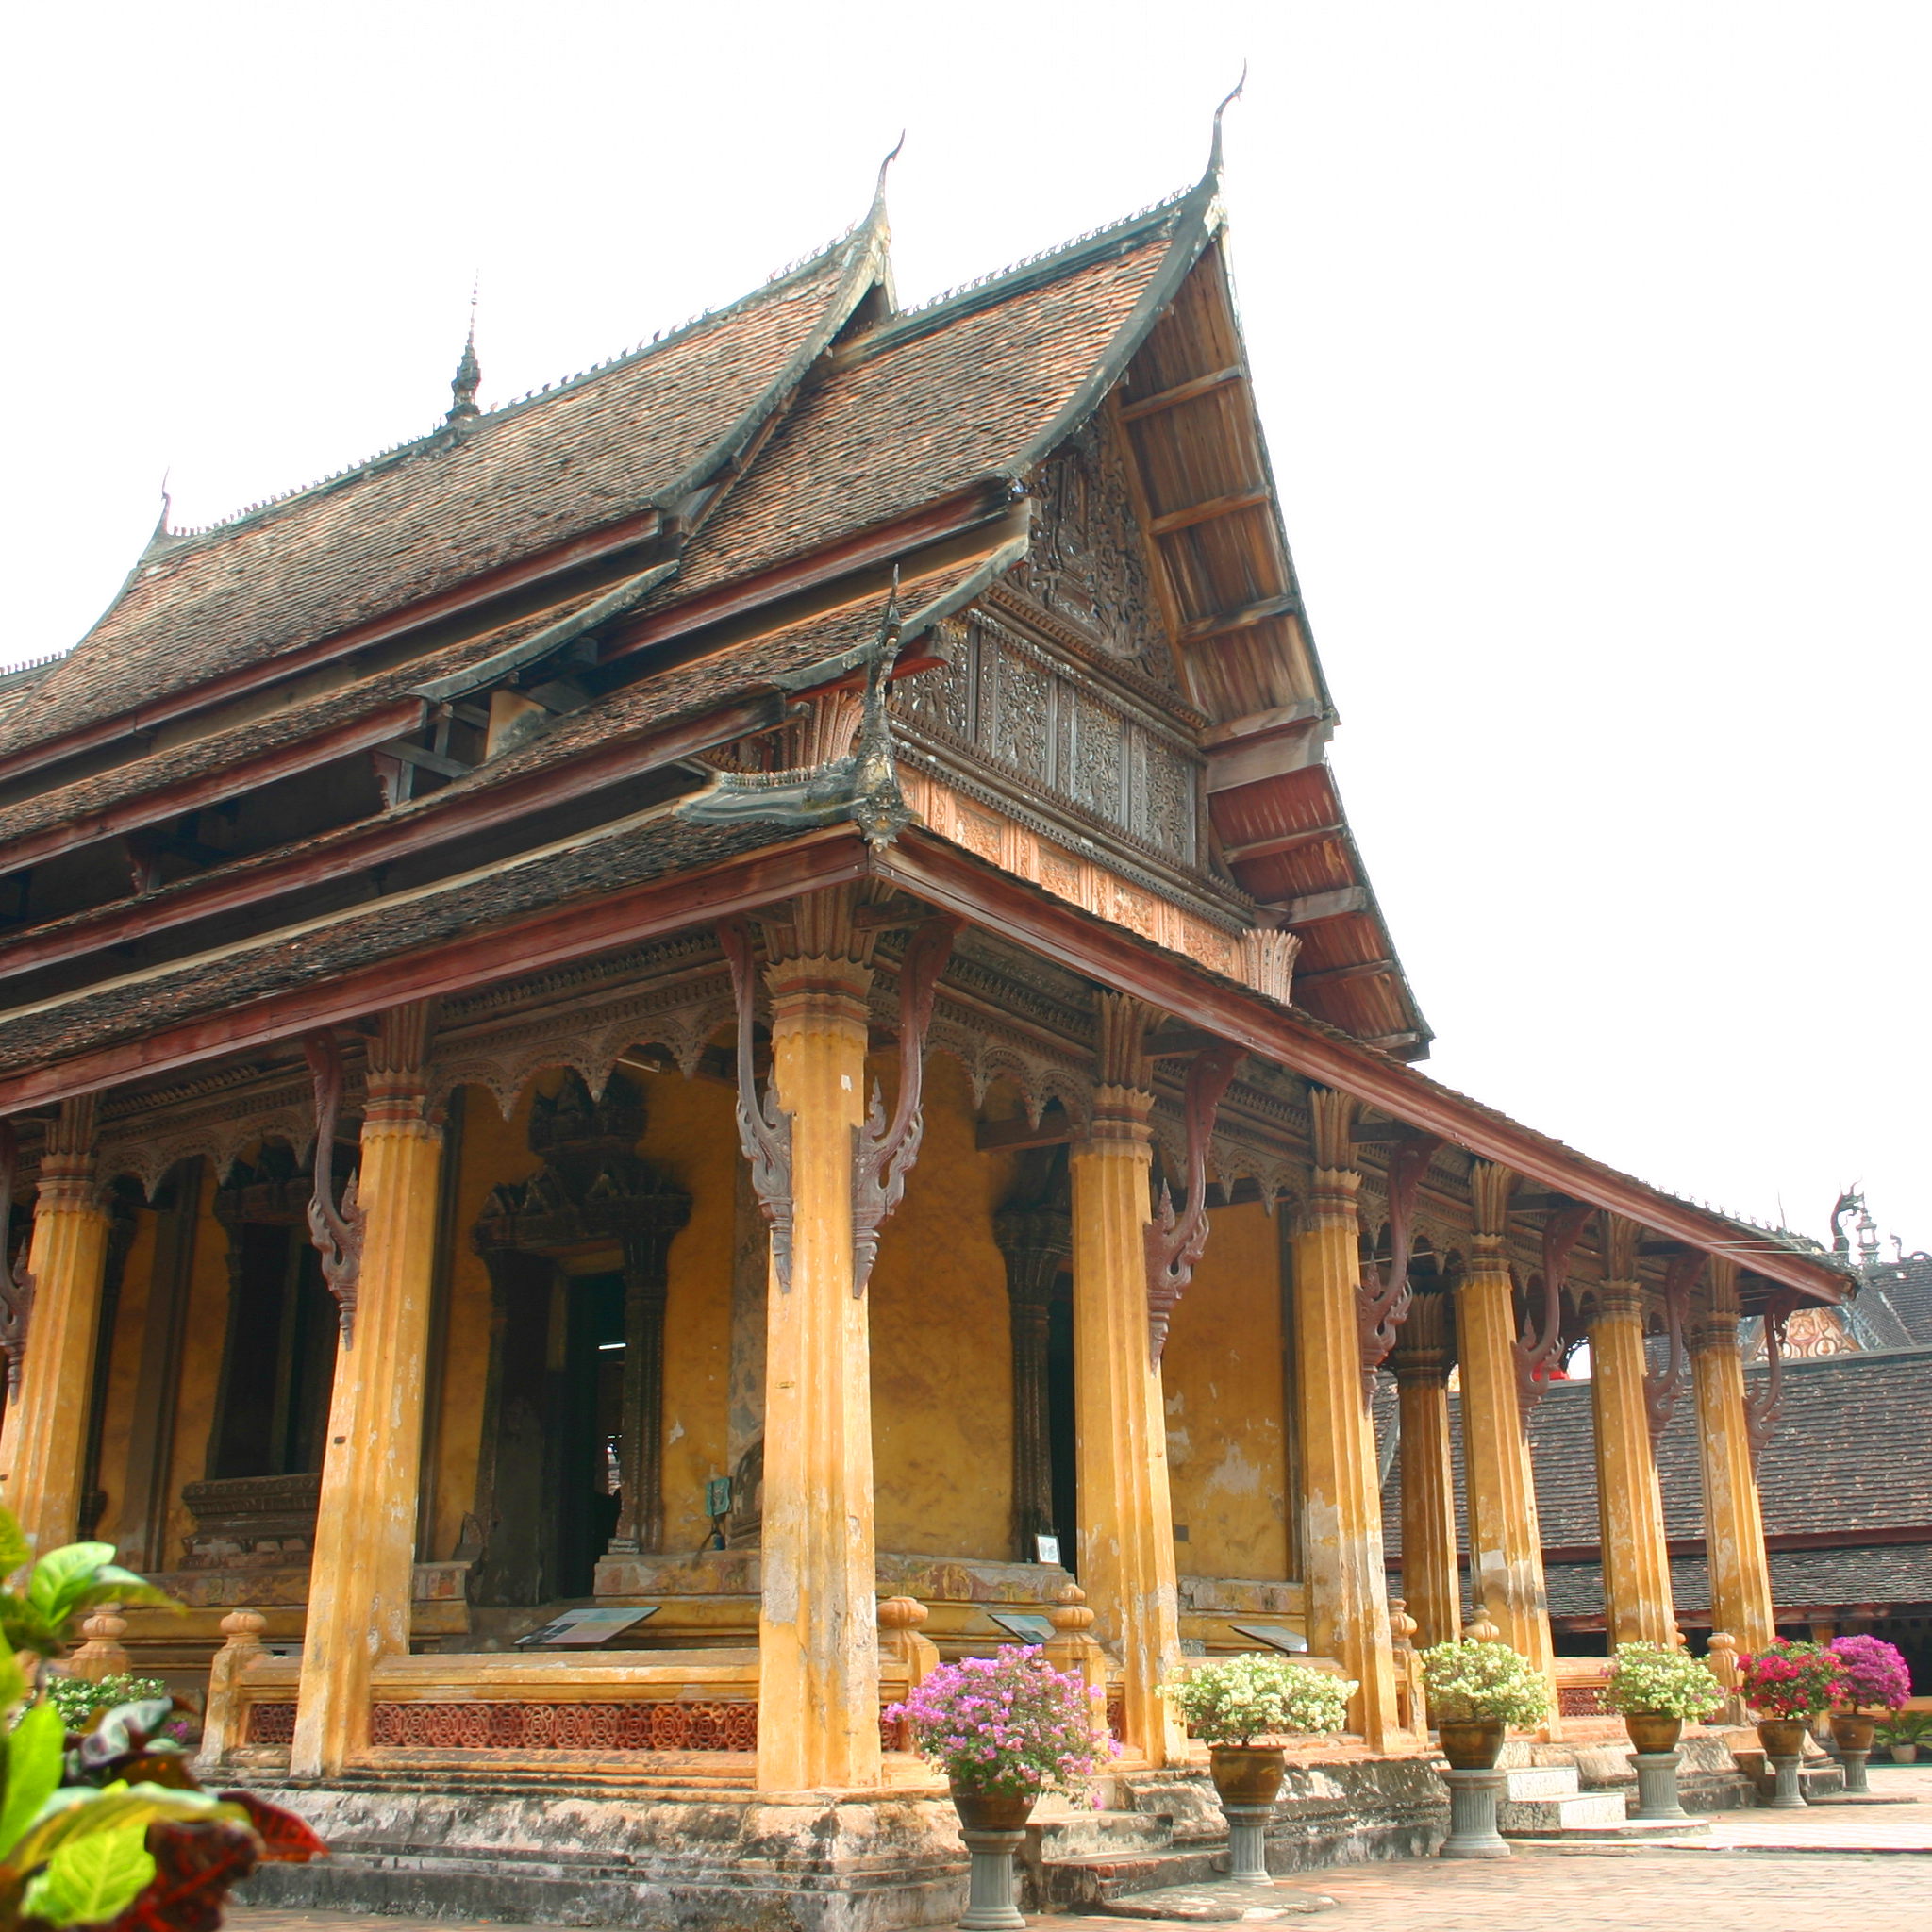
(1903, 1733)
(1004, 1729)
(1655, 1689)
(1232, 1703)
(1477, 1691)
(1789, 1685)
(1875, 1679)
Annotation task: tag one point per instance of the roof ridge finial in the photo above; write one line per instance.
(469, 375)
(1214, 150)
(161, 531)
(878, 194)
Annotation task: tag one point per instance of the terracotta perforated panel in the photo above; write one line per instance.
(503, 1726)
(270, 1723)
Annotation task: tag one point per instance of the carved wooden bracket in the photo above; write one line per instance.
(16, 1284)
(763, 1131)
(882, 1152)
(1175, 1243)
(1763, 1404)
(336, 1232)
(1382, 1307)
(1662, 1385)
(1542, 1334)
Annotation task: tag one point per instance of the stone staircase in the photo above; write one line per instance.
(1548, 1802)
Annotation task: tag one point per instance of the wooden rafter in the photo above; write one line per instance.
(1181, 393)
(1335, 975)
(1206, 512)
(1245, 618)
(1284, 841)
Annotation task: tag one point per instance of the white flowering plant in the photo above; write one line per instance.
(1233, 1700)
(1474, 1682)
(1658, 1680)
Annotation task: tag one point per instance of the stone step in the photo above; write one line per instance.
(1534, 1815)
(1098, 1834)
(1221, 1902)
(1091, 1883)
(1538, 1781)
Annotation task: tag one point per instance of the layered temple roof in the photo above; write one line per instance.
(463, 684)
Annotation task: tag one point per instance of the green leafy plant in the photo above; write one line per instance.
(1658, 1680)
(1472, 1682)
(1233, 1700)
(100, 1821)
(1905, 1728)
(78, 1698)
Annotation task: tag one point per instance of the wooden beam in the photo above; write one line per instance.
(1027, 916)
(1338, 974)
(474, 592)
(1056, 1127)
(211, 788)
(382, 840)
(1284, 841)
(1376, 1133)
(1206, 512)
(553, 937)
(1269, 723)
(1179, 1040)
(1180, 393)
(1245, 619)
(1336, 904)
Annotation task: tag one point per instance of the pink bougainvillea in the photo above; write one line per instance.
(1008, 1725)
(1874, 1673)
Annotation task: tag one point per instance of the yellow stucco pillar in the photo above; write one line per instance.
(1127, 1519)
(1432, 1579)
(1347, 1581)
(1740, 1599)
(1505, 1543)
(1630, 1507)
(362, 1573)
(45, 1445)
(818, 1625)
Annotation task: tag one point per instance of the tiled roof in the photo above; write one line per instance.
(1850, 1454)
(1896, 1301)
(1891, 1576)
(932, 402)
(497, 489)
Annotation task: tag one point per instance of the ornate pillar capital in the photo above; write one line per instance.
(66, 1183)
(1122, 1096)
(1490, 1188)
(1425, 1343)
(396, 1071)
(1617, 1301)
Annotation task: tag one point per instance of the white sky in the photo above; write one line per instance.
(1592, 341)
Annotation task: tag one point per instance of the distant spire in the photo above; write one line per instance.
(469, 375)
(1214, 152)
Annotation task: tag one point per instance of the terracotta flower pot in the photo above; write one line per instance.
(1651, 1733)
(1783, 1736)
(1851, 1732)
(992, 1810)
(1471, 1744)
(1246, 1774)
(1904, 1754)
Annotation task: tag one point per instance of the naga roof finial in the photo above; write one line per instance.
(878, 194)
(469, 375)
(1233, 94)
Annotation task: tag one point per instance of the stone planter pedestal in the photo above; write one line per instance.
(1790, 1795)
(1473, 1799)
(1657, 1785)
(990, 1906)
(1247, 1851)
(1852, 1738)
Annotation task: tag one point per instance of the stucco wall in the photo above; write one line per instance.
(941, 1369)
(1222, 1377)
(124, 1372)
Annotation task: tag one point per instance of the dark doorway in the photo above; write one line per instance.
(589, 1423)
(279, 1364)
(1062, 1441)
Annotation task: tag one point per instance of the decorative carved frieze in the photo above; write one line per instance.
(1040, 722)
(255, 1521)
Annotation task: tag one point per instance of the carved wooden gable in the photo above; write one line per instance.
(1085, 563)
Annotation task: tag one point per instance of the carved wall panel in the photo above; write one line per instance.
(1035, 717)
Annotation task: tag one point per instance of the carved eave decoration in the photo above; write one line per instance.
(335, 1229)
(1175, 1242)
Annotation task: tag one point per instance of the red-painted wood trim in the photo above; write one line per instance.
(474, 590)
(381, 840)
(209, 788)
(948, 517)
(552, 938)
(1088, 945)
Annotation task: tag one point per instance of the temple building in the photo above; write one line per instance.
(719, 1032)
